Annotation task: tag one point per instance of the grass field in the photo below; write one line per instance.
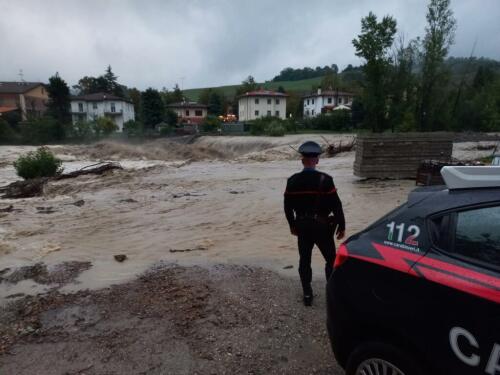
(229, 91)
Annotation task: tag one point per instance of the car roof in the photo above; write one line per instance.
(427, 201)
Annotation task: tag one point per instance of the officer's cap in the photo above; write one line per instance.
(310, 149)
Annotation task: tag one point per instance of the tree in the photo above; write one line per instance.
(373, 44)
(59, 104)
(177, 95)
(153, 108)
(135, 96)
(402, 104)
(112, 85)
(439, 35)
(281, 89)
(171, 117)
(248, 85)
(213, 100)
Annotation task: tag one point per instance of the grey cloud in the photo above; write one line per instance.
(155, 43)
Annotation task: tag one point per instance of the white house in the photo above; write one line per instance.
(261, 103)
(92, 106)
(325, 101)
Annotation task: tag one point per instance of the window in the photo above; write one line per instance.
(312, 101)
(277, 101)
(477, 235)
(198, 113)
(256, 113)
(80, 107)
(307, 112)
(340, 100)
(277, 114)
(329, 100)
(94, 105)
(307, 101)
(187, 112)
(269, 113)
(269, 101)
(113, 108)
(440, 232)
(312, 112)
(256, 100)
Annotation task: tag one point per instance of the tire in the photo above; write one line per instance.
(374, 358)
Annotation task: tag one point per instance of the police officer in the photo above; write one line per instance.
(310, 201)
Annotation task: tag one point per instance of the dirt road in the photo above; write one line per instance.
(174, 320)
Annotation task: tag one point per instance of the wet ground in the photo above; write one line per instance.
(173, 320)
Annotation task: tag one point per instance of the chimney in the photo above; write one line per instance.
(319, 91)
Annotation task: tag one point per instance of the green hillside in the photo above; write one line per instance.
(302, 86)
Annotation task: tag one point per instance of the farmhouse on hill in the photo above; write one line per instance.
(92, 106)
(27, 98)
(261, 103)
(326, 101)
(189, 112)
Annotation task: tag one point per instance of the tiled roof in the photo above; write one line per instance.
(17, 87)
(7, 109)
(99, 97)
(330, 93)
(263, 93)
(187, 105)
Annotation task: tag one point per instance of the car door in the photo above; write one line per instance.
(460, 290)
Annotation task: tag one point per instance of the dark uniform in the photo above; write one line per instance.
(310, 200)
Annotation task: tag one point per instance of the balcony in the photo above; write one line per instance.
(115, 113)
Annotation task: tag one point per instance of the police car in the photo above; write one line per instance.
(418, 292)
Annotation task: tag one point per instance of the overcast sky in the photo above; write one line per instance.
(203, 43)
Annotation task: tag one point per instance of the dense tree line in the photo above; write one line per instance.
(291, 74)
(414, 86)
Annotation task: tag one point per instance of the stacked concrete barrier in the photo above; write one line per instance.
(399, 155)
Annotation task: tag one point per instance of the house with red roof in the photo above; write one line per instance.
(189, 112)
(261, 103)
(26, 98)
(326, 101)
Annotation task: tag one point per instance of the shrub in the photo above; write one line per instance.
(211, 124)
(7, 134)
(275, 129)
(40, 130)
(82, 130)
(105, 126)
(132, 128)
(39, 163)
(165, 129)
(337, 121)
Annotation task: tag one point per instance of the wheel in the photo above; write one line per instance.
(381, 359)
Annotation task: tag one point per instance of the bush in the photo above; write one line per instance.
(132, 128)
(211, 124)
(105, 126)
(7, 134)
(275, 129)
(165, 129)
(339, 120)
(40, 130)
(39, 163)
(82, 130)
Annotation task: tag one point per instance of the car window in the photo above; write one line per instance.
(440, 232)
(477, 235)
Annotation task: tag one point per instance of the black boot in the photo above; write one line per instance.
(308, 296)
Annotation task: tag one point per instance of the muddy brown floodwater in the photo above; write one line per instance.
(226, 298)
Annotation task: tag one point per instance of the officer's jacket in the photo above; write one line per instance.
(311, 193)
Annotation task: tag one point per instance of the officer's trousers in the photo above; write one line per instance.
(310, 233)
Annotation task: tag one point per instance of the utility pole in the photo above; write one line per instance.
(21, 75)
